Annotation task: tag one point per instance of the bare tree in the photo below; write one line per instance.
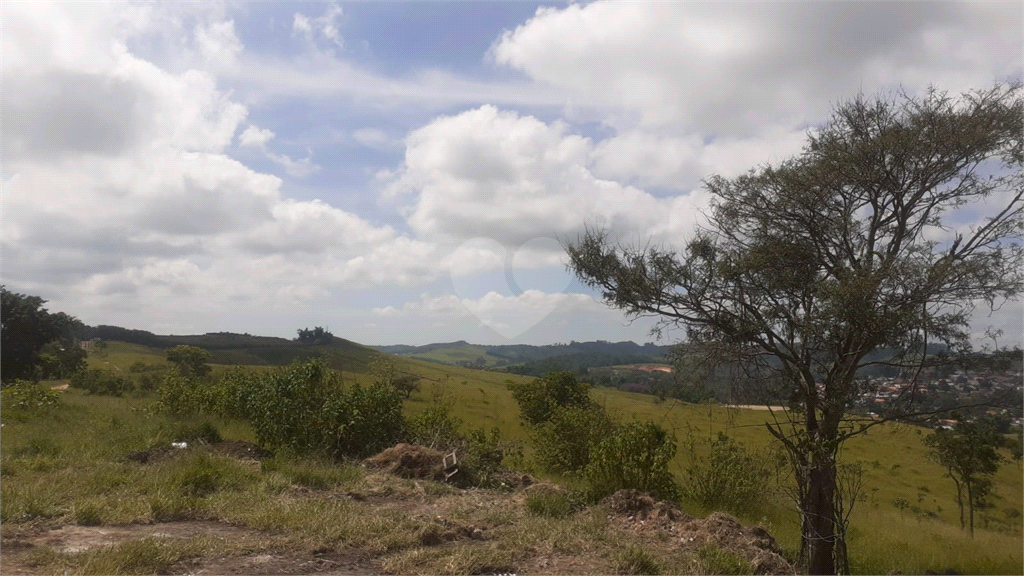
(811, 269)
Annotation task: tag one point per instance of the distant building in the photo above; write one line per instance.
(88, 344)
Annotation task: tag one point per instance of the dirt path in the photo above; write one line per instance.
(16, 552)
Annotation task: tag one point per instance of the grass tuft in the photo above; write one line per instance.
(88, 513)
(549, 504)
(714, 560)
(635, 560)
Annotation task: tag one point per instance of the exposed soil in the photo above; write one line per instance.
(637, 511)
(73, 539)
(233, 448)
(636, 505)
(347, 561)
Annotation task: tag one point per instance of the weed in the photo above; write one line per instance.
(730, 477)
(319, 475)
(634, 560)
(144, 556)
(203, 432)
(88, 513)
(28, 399)
(172, 508)
(550, 504)
(714, 560)
(477, 560)
(37, 447)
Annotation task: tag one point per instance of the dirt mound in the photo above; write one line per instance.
(409, 461)
(643, 506)
(544, 488)
(233, 448)
(753, 543)
(515, 480)
(638, 511)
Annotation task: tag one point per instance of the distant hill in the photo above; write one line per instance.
(245, 349)
(533, 360)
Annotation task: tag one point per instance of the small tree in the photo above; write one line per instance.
(539, 399)
(564, 443)
(25, 328)
(317, 335)
(634, 456)
(970, 454)
(384, 371)
(190, 361)
(809, 270)
(728, 477)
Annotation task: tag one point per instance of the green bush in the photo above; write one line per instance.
(305, 409)
(180, 395)
(563, 444)
(101, 382)
(539, 399)
(435, 427)
(203, 432)
(364, 420)
(481, 456)
(28, 397)
(636, 456)
(729, 477)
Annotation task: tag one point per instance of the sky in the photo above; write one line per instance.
(406, 172)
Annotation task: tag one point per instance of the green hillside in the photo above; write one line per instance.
(231, 349)
(573, 354)
(925, 535)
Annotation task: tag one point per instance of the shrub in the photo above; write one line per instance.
(190, 361)
(28, 397)
(481, 456)
(539, 399)
(203, 432)
(364, 420)
(435, 427)
(636, 456)
(180, 395)
(101, 382)
(729, 477)
(550, 504)
(563, 444)
(304, 409)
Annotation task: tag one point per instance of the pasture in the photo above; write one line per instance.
(56, 467)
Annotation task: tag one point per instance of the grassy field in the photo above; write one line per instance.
(893, 458)
(41, 455)
(461, 354)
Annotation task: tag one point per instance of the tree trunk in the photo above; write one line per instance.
(820, 515)
(970, 505)
(959, 500)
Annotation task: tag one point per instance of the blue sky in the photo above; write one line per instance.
(402, 172)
